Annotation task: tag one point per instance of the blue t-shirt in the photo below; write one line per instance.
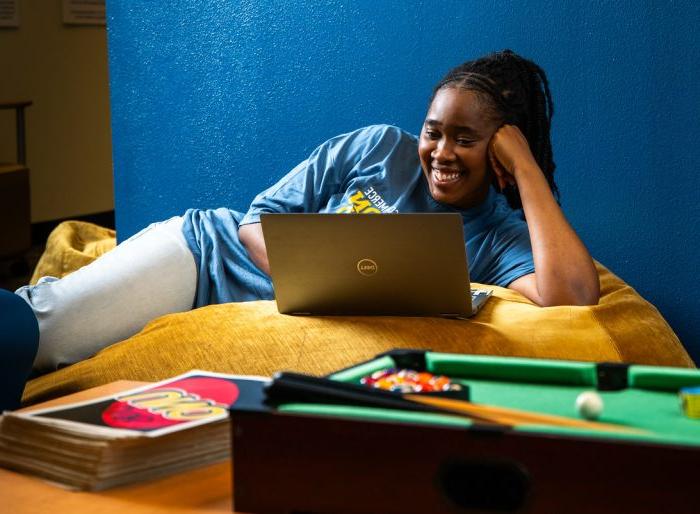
(371, 170)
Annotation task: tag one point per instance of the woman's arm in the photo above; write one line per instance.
(251, 236)
(311, 184)
(564, 270)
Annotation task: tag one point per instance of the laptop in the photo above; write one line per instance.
(370, 264)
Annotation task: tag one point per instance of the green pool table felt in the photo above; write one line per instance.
(651, 402)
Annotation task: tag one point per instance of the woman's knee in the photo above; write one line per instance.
(113, 297)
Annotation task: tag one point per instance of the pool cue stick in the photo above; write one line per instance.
(516, 417)
(288, 387)
(297, 387)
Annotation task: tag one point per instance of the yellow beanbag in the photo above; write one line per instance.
(72, 245)
(253, 338)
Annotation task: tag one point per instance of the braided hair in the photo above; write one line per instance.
(514, 91)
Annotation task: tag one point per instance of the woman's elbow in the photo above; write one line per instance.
(577, 295)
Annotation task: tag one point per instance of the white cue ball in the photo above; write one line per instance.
(589, 405)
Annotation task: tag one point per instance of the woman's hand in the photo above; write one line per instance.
(509, 154)
(564, 271)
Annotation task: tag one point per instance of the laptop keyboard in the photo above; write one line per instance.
(480, 293)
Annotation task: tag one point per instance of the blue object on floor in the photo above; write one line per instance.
(19, 342)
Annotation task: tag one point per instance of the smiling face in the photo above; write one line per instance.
(453, 148)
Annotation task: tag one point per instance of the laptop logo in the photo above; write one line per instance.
(367, 267)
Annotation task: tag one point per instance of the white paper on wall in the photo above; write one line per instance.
(9, 13)
(84, 12)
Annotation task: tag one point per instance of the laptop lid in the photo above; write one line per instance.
(385, 264)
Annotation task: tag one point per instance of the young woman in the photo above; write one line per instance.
(484, 151)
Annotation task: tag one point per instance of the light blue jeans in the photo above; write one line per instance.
(150, 274)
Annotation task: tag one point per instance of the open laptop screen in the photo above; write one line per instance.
(383, 264)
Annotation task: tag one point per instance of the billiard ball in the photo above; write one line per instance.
(589, 405)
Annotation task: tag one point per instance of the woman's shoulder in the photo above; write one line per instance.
(373, 134)
(383, 130)
(370, 140)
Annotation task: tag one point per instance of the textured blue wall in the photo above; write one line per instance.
(213, 101)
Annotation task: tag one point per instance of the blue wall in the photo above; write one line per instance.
(213, 101)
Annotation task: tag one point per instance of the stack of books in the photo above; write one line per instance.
(140, 434)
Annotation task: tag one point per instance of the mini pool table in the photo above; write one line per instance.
(304, 457)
